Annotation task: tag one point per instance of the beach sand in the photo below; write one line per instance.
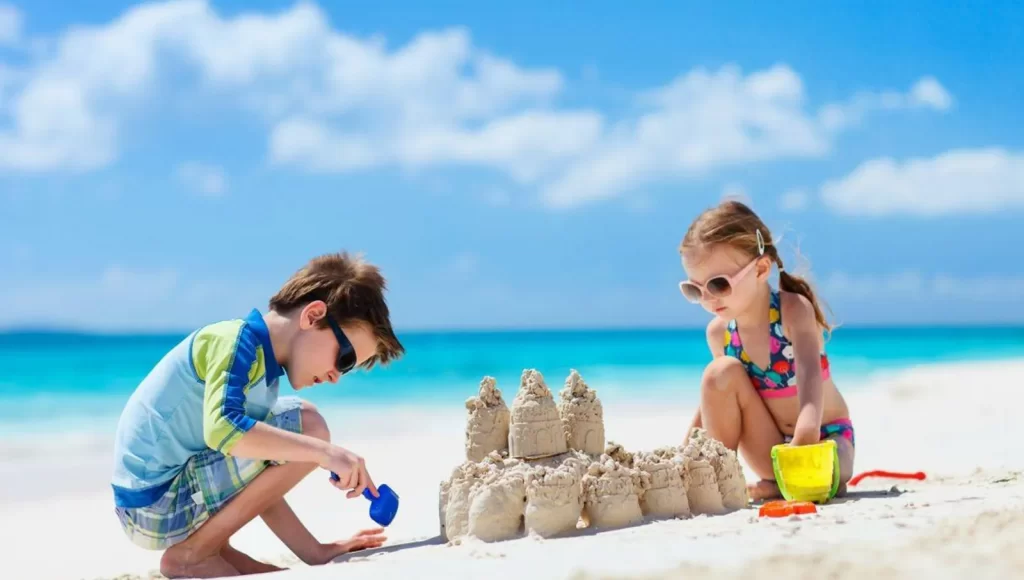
(954, 422)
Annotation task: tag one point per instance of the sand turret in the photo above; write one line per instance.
(582, 415)
(612, 494)
(488, 422)
(535, 428)
(554, 501)
(664, 491)
(728, 472)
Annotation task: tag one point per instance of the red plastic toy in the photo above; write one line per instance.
(918, 475)
(784, 508)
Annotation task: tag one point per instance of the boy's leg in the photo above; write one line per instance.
(199, 555)
(244, 563)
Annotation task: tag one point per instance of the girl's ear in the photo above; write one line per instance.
(764, 268)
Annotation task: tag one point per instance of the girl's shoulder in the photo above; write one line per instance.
(716, 334)
(794, 304)
(798, 315)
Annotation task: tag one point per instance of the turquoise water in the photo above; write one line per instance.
(72, 381)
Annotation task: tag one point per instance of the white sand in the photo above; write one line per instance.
(955, 422)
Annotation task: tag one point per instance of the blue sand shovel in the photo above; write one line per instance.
(382, 508)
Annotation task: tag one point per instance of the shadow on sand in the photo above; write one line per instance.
(435, 541)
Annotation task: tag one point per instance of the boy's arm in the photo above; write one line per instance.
(225, 365)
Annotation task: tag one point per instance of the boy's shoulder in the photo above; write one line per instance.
(233, 345)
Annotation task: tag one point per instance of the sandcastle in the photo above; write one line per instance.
(546, 470)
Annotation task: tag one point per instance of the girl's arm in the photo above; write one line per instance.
(715, 334)
(804, 334)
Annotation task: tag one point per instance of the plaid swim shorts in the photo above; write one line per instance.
(203, 487)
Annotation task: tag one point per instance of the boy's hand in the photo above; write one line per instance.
(351, 471)
(371, 538)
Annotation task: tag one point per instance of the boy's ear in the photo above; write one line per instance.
(312, 313)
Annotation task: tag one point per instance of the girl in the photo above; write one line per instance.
(769, 380)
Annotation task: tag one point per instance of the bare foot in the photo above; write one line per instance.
(179, 563)
(244, 563)
(764, 489)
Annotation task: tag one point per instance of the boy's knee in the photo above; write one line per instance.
(313, 423)
(722, 374)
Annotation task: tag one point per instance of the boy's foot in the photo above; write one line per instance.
(764, 489)
(177, 564)
(244, 563)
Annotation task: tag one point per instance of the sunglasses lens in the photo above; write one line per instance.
(346, 360)
(719, 287)
(690, 292)
(346, 352)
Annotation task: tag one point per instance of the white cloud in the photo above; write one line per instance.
(963, 181)
(704, 121)
(926, 93)
(525, 145)
(11, 22)
(335, 102)
(202, 178)
(794, 200)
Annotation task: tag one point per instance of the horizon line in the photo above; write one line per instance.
(115, 332)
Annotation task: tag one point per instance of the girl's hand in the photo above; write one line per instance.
(806, 434)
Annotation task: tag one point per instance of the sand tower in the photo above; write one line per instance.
(536, 427)
(487, 424)
(582, 416)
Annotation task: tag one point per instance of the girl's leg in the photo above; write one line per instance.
(733, 412)
(846, 455)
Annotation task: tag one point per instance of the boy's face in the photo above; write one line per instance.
(313, 356)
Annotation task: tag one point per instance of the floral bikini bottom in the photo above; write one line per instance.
(841, 427)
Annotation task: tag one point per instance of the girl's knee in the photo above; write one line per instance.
(723, 374)
(313, 423)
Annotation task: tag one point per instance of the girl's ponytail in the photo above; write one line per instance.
(798, 285)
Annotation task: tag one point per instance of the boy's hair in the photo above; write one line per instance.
(734, 224)
(354, 292)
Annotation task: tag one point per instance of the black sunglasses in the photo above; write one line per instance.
(346, 352)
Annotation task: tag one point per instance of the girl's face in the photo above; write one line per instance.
(314, 351)
(726, 279)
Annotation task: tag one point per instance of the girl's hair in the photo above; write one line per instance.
(734, 224)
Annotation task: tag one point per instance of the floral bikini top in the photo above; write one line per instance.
(779, 379)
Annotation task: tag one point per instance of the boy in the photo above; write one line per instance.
(204, 445)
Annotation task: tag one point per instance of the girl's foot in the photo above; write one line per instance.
(763, 490)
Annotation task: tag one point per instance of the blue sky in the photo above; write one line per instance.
(163, 164)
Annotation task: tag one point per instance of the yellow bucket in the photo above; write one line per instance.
(807, 472)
